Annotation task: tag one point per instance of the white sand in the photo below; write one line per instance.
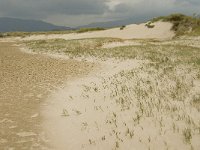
(162, 30)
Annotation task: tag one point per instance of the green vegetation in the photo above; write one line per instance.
(182, 24)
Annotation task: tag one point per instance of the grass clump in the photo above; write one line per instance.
(187, 135)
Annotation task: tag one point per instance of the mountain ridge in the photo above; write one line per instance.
(8, 24)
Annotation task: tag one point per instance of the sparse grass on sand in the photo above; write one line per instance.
(72, 48)
(153, 106)
(25, 34)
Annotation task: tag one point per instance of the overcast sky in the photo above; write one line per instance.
(80, 12)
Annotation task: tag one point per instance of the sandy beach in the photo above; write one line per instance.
(26, 80)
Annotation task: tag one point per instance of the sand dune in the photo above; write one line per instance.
(162, 30)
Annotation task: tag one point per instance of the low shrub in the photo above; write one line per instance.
(122, 27)
(149, 25)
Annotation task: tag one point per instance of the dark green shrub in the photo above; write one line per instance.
(122, 27)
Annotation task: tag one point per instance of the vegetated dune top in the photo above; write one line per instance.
(161, 30)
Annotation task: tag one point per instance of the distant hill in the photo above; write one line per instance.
(14, 25)
(117, 23)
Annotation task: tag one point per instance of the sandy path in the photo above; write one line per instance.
(25, 81)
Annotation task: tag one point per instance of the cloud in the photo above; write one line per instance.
(153, 8)
(188, 2)
(44, 8)
(77, 12)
